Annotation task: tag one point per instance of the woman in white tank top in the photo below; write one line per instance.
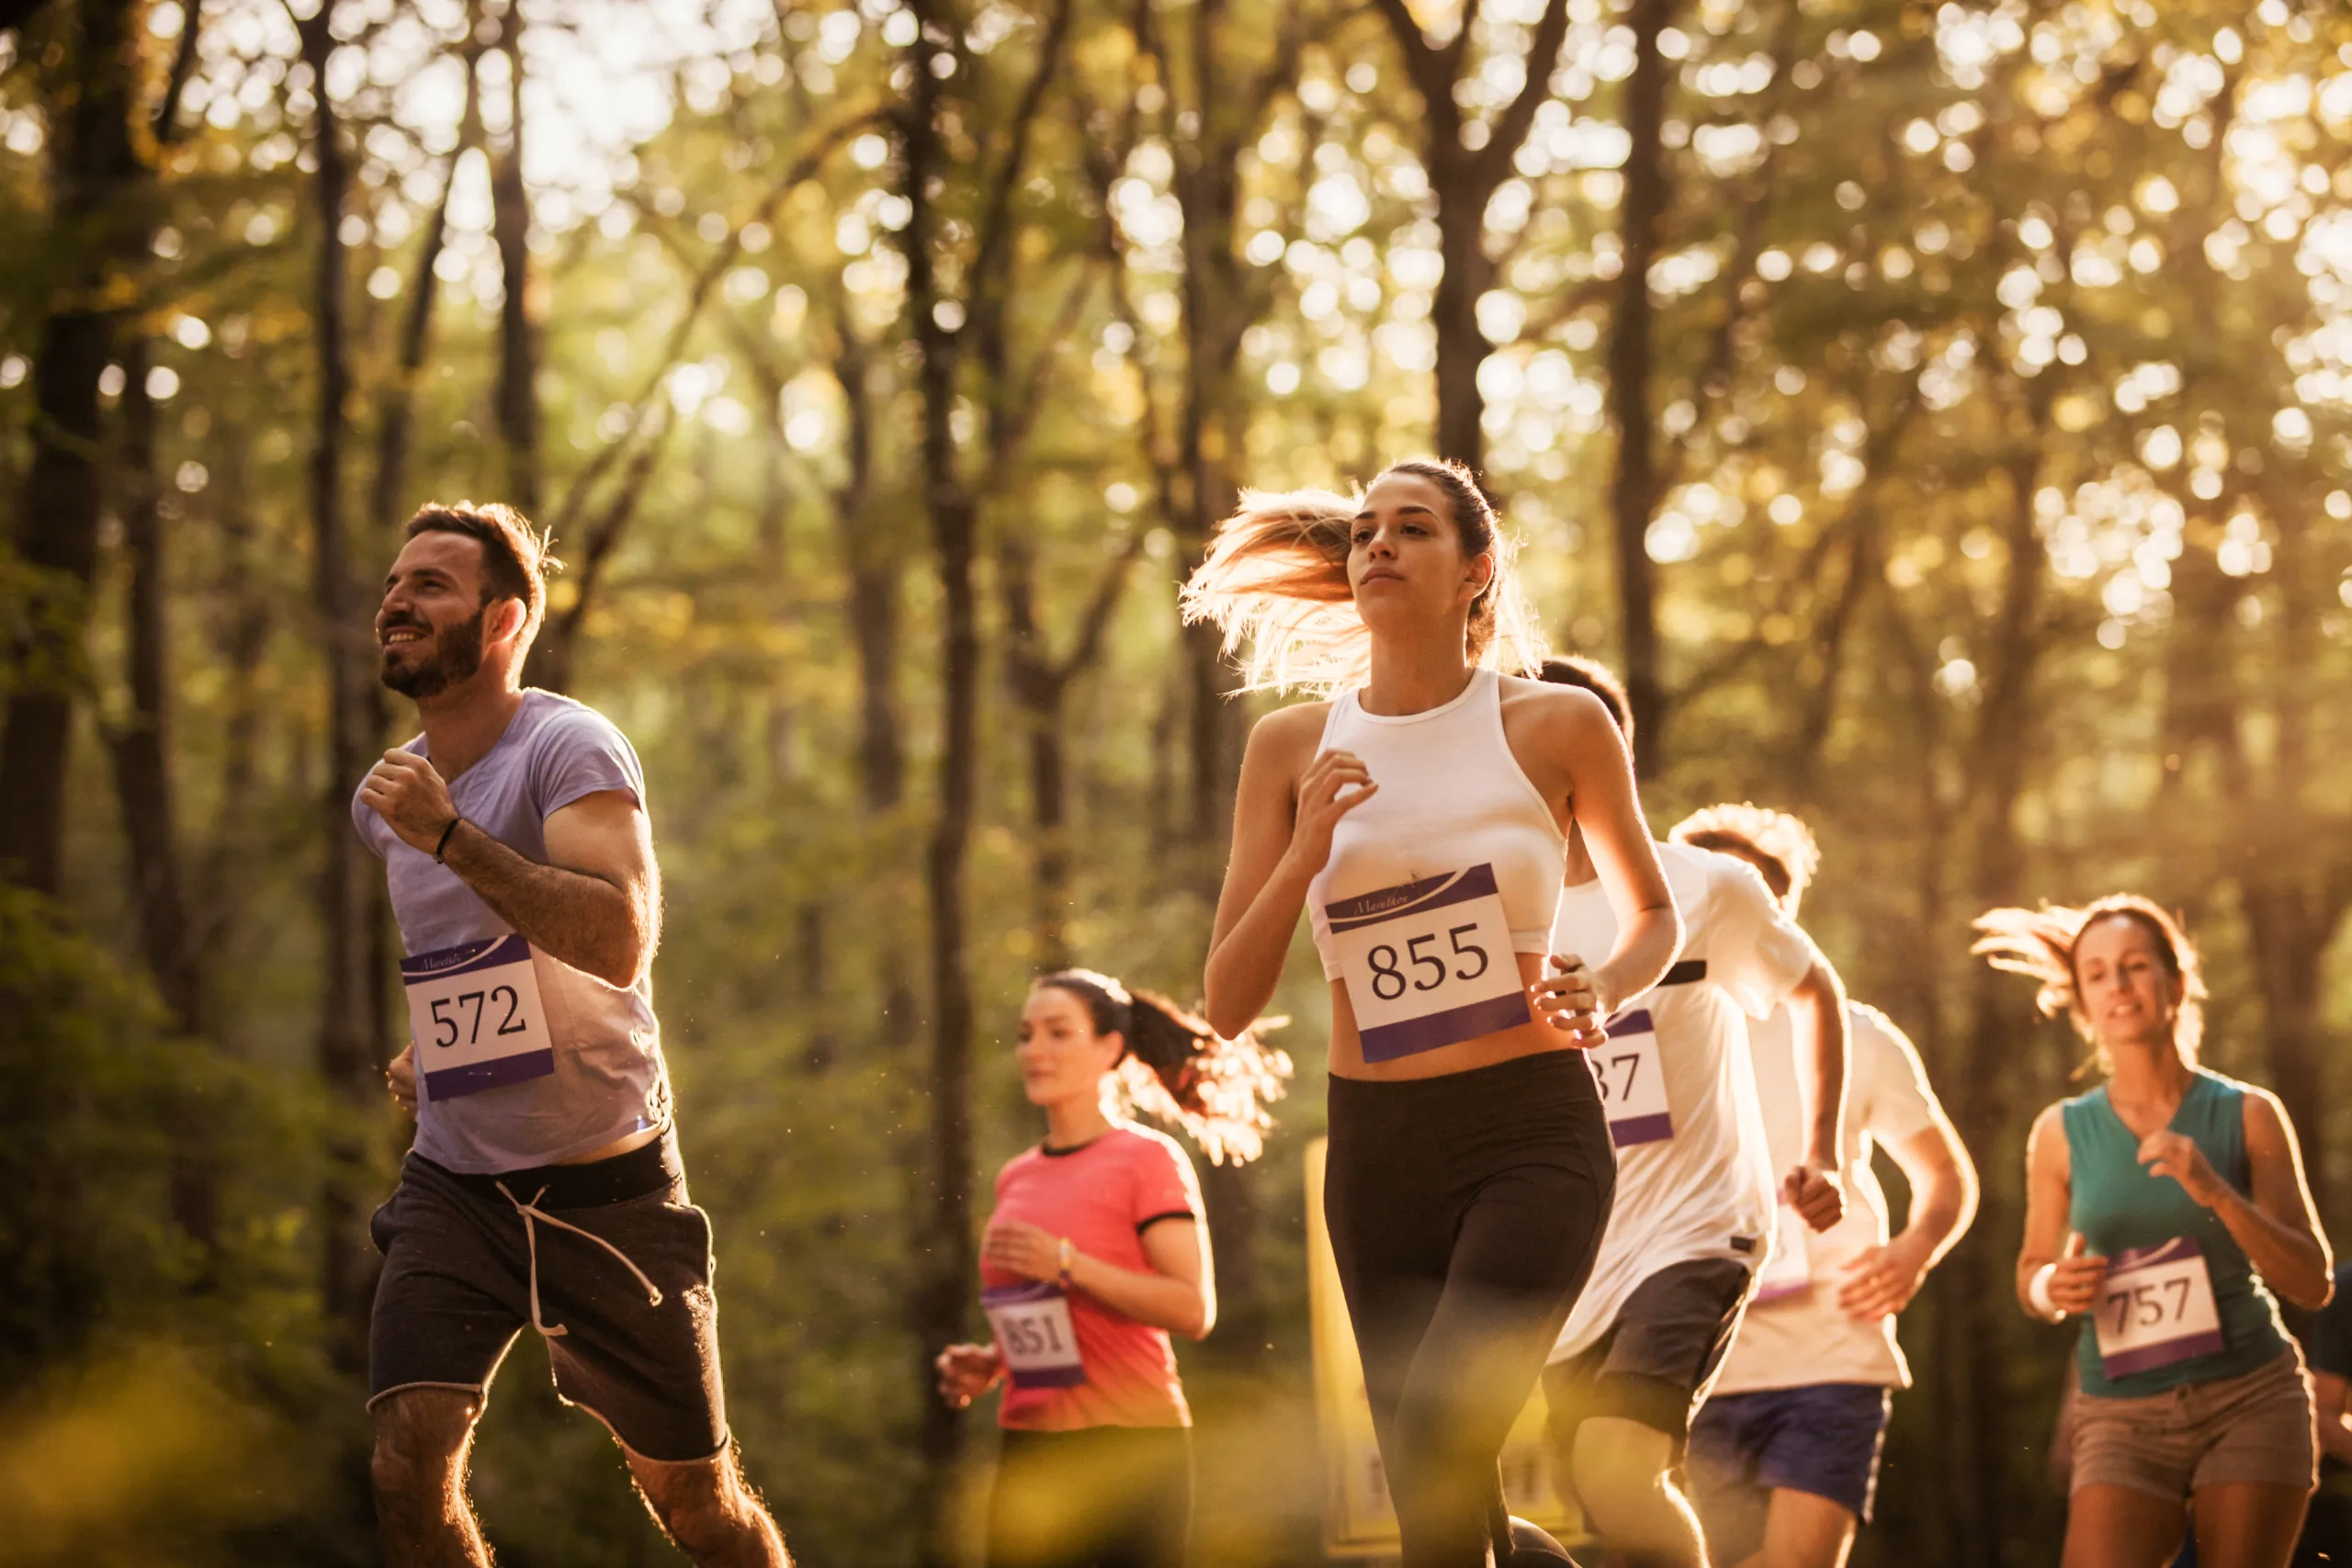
(1419, 817)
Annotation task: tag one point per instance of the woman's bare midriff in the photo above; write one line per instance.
(1504, 1046)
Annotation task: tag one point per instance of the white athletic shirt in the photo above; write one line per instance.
(1451, 796)
(1801, 1339)
(1709, 1189)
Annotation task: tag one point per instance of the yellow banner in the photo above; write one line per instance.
(1357, 1519)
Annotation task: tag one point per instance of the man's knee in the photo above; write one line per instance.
(1619, 1468)
(703, 1504)
(420, 1442)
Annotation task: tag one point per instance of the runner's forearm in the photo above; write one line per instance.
(1817, 1014)
(1247, 964)
(1943, 1192)
(1179, 1306)
(2286, 1257)
(1644, 949)
(583, 920)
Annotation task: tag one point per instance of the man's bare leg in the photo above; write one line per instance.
(710, 1512)
(1801, 1531)
(1620, 1470)
(424, 1437)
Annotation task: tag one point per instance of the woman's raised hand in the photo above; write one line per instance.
(1335, 783)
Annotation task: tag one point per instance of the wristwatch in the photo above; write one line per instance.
(1066, 1255)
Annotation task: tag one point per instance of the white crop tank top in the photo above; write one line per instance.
(1451, 796)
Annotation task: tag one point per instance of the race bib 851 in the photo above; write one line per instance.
(1034, 1334)
(1428, 964)
(2156, 1308)
(474, 1014)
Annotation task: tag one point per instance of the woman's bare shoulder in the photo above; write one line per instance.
(1291, 730)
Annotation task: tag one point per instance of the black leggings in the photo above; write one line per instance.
(1096, 1497)
(1465, 1213)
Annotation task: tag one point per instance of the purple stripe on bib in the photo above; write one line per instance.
(450, 1083)
(1386, 1041)
(2163, 1252)
(1050, 1377)
(1640, 1130)
(466, 959)
(2185, 1349)
(1430, 893)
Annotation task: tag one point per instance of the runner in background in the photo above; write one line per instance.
(1784, 1454)
(1696, 1203)
(1418, 818)
(2160, 1208)
(546, 1187)
(2327, 1347)
(1097, 1251)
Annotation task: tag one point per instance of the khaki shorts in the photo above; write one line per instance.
(2257, 1427)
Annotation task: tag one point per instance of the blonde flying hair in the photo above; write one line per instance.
(2041, 945)
(1275, 583)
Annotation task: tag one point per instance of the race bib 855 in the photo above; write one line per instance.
(1428, 964)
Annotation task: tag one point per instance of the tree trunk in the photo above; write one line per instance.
(518, 407)
(949, 1260)
(95, 224)
(873, 567)
(399, 416)
(1633, 489)
(351, 1035)
(1971, 1326)
(141, 751)
(1462, 343)
(1462, 181)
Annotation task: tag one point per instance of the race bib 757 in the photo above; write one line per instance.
(2156, 1308)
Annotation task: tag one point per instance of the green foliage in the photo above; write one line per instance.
(2001, 370)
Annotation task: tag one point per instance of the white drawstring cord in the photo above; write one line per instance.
(531, 1211)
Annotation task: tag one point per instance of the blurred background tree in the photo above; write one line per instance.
(1940, 413)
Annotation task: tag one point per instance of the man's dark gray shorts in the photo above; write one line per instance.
(469, 1261)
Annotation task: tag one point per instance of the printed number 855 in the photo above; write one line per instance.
(1388, 979)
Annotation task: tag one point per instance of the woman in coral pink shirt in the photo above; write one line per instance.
(1095, 1254)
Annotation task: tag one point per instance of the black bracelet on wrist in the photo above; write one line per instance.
(445, 840)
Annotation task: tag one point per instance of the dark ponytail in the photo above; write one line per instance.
(1179, 1070)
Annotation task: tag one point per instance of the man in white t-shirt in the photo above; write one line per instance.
(1785, 1456)
(1697, 1196)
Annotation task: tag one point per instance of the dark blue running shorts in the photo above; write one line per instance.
(1823, 1438)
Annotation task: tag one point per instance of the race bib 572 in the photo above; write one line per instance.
(1428, 964)
(475, 1017)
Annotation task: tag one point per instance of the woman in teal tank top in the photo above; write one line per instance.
(2163, 1208)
